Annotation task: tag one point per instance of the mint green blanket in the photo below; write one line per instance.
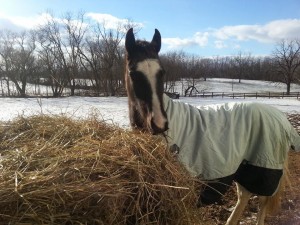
(213, 140)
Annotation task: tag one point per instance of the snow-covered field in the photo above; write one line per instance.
(115, 110)
(246, 86)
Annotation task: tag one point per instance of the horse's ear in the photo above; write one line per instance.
(156, 40)
(129, 41)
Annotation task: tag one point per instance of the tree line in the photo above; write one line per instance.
(72, 54)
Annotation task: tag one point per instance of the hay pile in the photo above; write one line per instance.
(55, 170)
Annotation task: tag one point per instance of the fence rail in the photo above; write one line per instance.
(247, 95)
(232, 95)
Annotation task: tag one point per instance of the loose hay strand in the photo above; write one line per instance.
(56, 170)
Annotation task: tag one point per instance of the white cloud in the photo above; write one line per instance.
(200, 39)
(18, 22)
(7, 24)
(232, 36)
(236, 46)
(287, 29)
(270, 32)
(176, 42)
(220, 44)
(109, 21)
(220, 38)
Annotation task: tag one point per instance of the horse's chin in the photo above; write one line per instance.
(156, 132)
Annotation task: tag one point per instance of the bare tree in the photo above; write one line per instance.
(103, 57)
(75, 29)
(52, 53)
(110, 56)
(174, 65)
(7, 45)
(241, 63)
(60, 42)
(67, 49)
(194, 74)
(287, 62)
(91, 62)
(18, 60)
(24, 61)
(206, 67)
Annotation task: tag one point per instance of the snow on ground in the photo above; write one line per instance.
(233, 85)
(287, 105)
(112, 109)
(115, 109)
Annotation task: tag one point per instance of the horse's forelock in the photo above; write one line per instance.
(144, 50)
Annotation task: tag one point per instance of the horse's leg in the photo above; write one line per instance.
(270, 204)
(243, 198)
(262, 210)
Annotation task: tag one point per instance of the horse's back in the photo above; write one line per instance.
(214, 140)
(254, 132)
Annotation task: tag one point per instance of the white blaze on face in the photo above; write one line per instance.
(150, 68)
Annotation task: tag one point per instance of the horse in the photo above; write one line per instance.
(243, 142)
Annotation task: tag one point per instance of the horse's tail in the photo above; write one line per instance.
(273, 204)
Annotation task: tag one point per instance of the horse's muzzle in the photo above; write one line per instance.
(157, 130)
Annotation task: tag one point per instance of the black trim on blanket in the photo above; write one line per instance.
(257, 180)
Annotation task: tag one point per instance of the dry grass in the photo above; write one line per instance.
(55, 170)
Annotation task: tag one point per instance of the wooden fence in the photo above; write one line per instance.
(247, 95)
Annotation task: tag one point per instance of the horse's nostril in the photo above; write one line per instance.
(158, 130)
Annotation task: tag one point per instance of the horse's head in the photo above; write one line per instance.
(144, 83)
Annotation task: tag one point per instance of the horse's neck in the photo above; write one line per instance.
(177, 113)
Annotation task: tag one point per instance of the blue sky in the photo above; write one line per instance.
(202, 27)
